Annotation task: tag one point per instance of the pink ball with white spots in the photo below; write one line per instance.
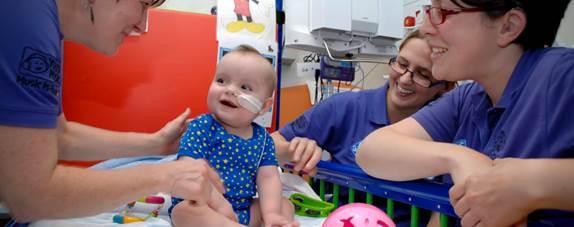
(358, 215)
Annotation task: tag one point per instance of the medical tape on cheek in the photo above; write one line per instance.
(250, 103)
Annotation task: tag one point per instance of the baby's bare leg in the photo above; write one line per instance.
(287, 209)
(188, 213)
(256, 218)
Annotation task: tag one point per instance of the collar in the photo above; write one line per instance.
(377, 100)
(520, 75)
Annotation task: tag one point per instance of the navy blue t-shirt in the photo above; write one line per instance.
(533, 118)
(30, 64)
(341, 122)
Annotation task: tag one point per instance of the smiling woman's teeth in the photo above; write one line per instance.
(404, 90)
(438, 51)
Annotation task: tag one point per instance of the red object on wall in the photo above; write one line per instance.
(409, 21)
(151, 80)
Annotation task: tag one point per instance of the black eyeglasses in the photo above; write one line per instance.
(438, 15)
(416, 76)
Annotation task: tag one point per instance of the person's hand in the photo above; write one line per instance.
(221, 205)
(168, 136)
(278, 220)
(496, 196)
(193, 180)
(305, 154)
(468, 162)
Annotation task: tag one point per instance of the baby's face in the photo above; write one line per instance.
(237, 74)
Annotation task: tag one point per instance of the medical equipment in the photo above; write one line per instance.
(126, 216)
(250, 103)
(337, 70)
(307, 206)
(357, 28)
(358, 214)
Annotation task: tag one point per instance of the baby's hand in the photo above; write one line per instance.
(278, 220)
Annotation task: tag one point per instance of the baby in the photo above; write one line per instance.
(241, 151)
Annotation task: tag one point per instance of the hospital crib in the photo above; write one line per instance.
(419, 194)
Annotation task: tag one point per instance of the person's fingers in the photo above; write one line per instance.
(313, 160)
(214, 179)
(461, 208)
(218, 203)
(469, 220)
(312, 172)
(456, 192)
(295, 150)
(308, 150)
(293, 144)
(179, 120)
(198, 190)
(298, 157)
(183, 116)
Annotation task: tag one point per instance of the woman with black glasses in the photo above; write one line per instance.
(341, 122)
(505, 139)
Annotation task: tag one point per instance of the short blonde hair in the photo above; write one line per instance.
(412, 35)
(247, 49)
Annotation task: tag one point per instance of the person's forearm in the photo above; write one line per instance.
(281, 147)
(552, 185)
(389, 155)
(82, 142)
(269, 187)
(73, 192)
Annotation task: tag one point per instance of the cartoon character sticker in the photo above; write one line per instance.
(242, 10)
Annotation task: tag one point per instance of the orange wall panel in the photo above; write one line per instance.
(294, 101)
(152, 79)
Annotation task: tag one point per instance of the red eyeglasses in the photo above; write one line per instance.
(438, 15)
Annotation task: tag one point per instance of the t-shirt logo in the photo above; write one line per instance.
(461, 142)
(301, 123)
(355, 147)
(39, 70)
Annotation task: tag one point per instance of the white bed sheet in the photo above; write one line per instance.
(105, 220)
(291, 184)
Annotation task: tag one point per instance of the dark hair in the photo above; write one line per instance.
(543, 18)
(156, 3)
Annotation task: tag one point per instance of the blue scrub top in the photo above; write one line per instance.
(341, 122)
(531, 120)
(30, 63)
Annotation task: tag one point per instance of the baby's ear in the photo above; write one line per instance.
(266, 105)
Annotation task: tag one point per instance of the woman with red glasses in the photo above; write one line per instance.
(34, 133)
(505, 139)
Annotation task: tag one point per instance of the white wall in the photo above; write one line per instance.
(565, 35)
(195, 6)
(375, 79)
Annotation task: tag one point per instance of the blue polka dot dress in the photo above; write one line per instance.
(236, 159)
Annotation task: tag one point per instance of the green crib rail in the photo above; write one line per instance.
(421, 194)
